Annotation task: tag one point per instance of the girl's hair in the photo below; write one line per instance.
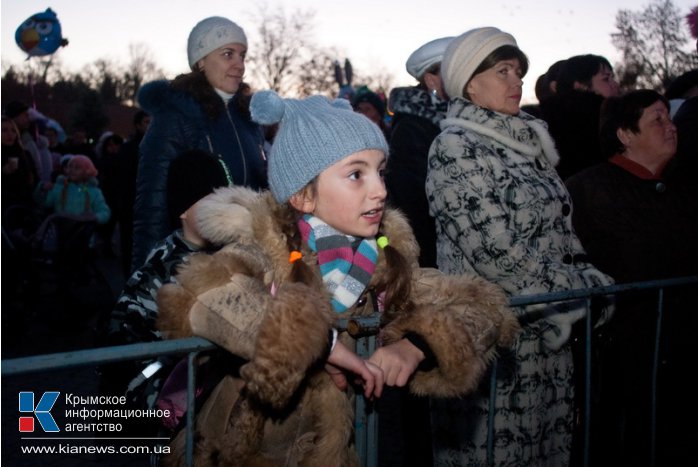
(624, 112)
(505, 52)
(397, 285)
(579, 69)
(196, 84)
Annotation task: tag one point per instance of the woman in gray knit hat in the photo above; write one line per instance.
(502, 211)
(204, 109)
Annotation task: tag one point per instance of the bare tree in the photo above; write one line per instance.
(141, 68)
(284, 57)
(652, 42)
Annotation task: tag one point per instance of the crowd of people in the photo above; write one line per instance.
(257, 222)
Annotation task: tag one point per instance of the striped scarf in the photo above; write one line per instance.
(346, 270)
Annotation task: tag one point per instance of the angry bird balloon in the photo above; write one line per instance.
(40, 34)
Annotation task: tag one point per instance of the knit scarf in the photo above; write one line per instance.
(346, 270)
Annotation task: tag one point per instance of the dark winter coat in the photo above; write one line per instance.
(573, 120)
(179, 123)
(640, 227)
(413, 129)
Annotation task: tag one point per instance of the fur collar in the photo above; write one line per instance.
(522, 133)
(241, 216)
(159, 97)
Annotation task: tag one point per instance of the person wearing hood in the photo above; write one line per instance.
(205, 109)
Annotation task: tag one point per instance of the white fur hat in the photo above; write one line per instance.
(210, 34)
(426, 56)
(466, 52)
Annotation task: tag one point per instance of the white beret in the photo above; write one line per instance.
(426, 56)
(466, 52)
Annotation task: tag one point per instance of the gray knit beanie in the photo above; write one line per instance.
(466, 52)
(210, 34)
(314, 133)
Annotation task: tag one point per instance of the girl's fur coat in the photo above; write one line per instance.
(281, 408)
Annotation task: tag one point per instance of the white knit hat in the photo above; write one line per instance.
(426, 56)
(210, 34)
(466, 52)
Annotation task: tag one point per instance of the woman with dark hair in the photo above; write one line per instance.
(205, 109)
(583, 81)
(638, 223)
(502, 211)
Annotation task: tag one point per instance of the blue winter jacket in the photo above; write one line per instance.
(80, 199)
(178, 124)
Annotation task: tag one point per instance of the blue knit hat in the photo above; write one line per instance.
(314, 133)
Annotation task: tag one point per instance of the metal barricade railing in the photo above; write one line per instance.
(365, 330)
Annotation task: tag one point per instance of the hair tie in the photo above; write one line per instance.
(382, 242)
(294, 256)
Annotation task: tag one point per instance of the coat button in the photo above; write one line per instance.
(568, 259)
(660, 187)
(566, 209)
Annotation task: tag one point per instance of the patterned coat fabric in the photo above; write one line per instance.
(502, 212)
(281, 408)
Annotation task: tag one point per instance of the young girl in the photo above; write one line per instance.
(77, 192)
(322, 245)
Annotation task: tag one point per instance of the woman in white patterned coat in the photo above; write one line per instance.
(502, 212)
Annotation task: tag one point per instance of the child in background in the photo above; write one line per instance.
(77, 193)
(321, 246)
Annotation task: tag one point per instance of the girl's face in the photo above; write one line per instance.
(225, 67)
(75, 173)
(499, 88)
(657, 138)
(9, 133)
(349, 195)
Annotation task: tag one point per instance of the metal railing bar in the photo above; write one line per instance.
(100, 355)
(655, 375)
(191, 383)
(597, 291)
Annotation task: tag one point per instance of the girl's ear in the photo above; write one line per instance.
(303, 201)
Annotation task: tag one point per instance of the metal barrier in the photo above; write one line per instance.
(365, 330)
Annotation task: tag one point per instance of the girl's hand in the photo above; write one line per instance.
(398, 361)
(342, 358)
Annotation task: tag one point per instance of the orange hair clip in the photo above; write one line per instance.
(294, 256)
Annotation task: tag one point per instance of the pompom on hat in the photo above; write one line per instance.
(314, 133)
(466, 52)
(426, 56)
(210, 34)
